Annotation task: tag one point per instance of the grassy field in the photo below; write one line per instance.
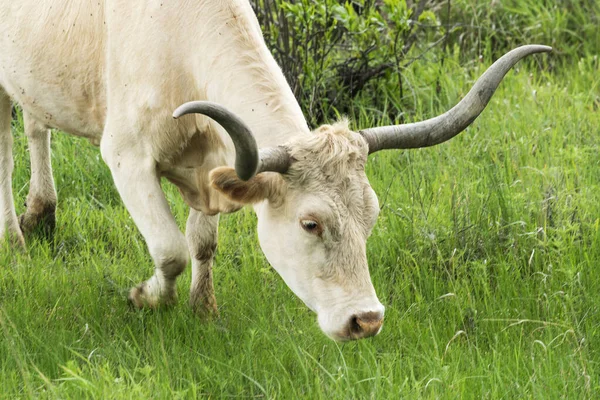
(486, 255)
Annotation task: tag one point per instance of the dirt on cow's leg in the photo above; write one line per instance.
(40, 216)
(201, 234)
(38, 219)
(9, 225)
(135, 174)
(159, 290)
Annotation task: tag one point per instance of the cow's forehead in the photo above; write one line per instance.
(331, 156)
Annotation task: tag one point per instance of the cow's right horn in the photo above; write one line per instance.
(248, 160)
(444, 127)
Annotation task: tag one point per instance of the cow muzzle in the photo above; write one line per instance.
(358, 325)
(364, 325)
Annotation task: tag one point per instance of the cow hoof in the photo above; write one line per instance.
(136, 297)
(205, 308)
(140, 297)
(42, 224)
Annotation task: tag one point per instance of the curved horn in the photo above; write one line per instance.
(247, 160)
(444, 127)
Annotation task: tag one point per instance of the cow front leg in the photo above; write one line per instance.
(41, 200)
(9, 225)
(201, 234)
(135, 175)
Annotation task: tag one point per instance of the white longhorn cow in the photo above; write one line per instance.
(113, 70)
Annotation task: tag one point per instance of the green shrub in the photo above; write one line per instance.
(387, 56)
(332, 51)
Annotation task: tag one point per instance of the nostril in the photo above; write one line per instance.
(354, 326)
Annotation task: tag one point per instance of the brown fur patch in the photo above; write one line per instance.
(268, 185)
(206, 252)
(202, 295)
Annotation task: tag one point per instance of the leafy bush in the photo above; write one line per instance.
(339, 54)
(331, 51)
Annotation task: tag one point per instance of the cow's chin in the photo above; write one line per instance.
(337, 314)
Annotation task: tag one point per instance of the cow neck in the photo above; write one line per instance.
(239, 72)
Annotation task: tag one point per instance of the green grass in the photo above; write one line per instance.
(486, 255)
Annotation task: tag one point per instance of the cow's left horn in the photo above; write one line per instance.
(444, 127)
(248, 161)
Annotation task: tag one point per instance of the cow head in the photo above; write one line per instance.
(316, 208)
(313, 224)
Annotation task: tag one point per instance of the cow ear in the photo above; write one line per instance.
(265, 186)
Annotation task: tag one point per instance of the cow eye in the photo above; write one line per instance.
(310, 226)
